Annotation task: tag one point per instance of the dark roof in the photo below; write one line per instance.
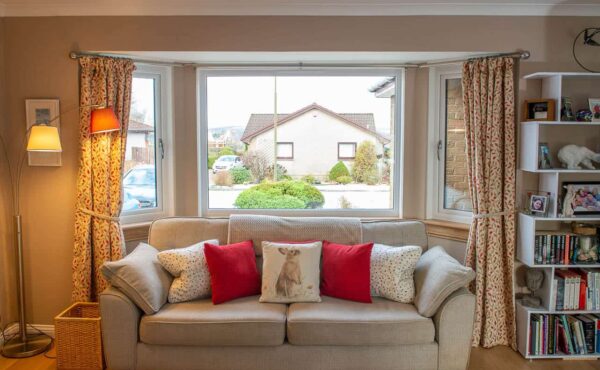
(261, 122)
(135, 125)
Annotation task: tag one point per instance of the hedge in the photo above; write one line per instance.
(338, 170)
(281, 194)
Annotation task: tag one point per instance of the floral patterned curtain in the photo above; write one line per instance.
(489, 98)
(98, 235)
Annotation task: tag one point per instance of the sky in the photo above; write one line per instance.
(231, 100)
(142, 98)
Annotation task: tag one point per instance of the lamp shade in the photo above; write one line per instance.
(43, 138)
(104, 120)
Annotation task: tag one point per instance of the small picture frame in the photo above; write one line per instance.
(539, 110)
(43, 111)
(595, 109)
(544, 159)
(566, 109)
(538, 204)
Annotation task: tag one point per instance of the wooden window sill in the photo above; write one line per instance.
(447, 230)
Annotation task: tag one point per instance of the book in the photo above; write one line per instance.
(589, 332)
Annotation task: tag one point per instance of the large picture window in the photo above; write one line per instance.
(304, 141)
(448, 159)
(145, 180)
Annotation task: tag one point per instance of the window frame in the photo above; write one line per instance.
(162, 76)
(346, 143)
(285, 143)
(436, 155)
(398, 161)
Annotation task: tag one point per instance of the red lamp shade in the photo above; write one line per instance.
(104, 120)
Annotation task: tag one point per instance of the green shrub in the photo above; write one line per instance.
(338, 170)
(309, 179)
(240, 175)
(344, 180)
(281, 194)
(211, 160)
(226, 151)
(364, 169)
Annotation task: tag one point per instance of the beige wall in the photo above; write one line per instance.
(35, 58)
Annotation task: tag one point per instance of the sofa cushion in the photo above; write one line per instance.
(345, 323)
(241, 322)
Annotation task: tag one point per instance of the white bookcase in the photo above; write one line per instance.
(552, 85)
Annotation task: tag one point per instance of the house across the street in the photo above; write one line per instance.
(313, 139)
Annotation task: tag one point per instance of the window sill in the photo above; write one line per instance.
(447, 230)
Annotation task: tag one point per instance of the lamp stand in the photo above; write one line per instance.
(23, 344)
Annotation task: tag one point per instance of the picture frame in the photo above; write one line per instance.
(566, 109)
(581, 198)
(544, 158)
(539, 110)
(595, 109)
(43, 111)
(539, 204)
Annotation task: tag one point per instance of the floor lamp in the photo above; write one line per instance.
(41, 138)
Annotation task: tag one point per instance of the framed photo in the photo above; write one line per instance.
(539, 110)
(566, 109)
(544, 159)
(538, 204)
(581, 198)
(43, 111)
(595, 109)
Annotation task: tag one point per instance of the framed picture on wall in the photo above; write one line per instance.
(539, 110)
(595, 109)
(43, 111)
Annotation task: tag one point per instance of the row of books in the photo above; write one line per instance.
(564, 334)
(576, 289)
(555, 249)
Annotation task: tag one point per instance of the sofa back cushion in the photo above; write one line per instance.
(179, 232)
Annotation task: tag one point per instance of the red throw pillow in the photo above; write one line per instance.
(233, 271)
(346, 271)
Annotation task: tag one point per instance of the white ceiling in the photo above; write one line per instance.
(294, 57)
(304, 7)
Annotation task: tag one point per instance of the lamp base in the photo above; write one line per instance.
(35, 344)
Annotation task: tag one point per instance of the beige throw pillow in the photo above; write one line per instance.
(190, 271)
(140, 277)
(437, 275)
(392, 270)
(291, 272)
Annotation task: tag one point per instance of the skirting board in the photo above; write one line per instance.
(13, 329)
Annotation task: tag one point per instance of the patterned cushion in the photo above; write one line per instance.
(291, 272)
(392, 270)
(188, 266)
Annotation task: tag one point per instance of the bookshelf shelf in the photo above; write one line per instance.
(554, 228)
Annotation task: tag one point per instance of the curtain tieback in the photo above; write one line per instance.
(493, 214)
(99, 215)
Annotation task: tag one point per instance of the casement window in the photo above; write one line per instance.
(146, 179)
(346, 151)
(297, 125)
(285, 150)
(449, 197)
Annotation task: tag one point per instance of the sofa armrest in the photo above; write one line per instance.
(120, 322)
(454, 330)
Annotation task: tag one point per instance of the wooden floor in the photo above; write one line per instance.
(498, 358)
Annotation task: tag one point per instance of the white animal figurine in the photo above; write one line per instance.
(571, 156)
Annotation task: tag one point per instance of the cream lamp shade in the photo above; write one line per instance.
(43, 138)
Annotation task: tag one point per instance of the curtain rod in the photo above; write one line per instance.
(521, 54)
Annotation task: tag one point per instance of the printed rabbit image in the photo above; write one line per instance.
(290, 272)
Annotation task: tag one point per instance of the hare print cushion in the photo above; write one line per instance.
(392, 272)
(291, 272)
(190, 271)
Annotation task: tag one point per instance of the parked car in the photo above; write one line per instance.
(226, 162)
(139, 184)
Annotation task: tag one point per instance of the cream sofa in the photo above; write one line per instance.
(245, 334)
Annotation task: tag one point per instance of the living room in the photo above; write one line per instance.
(134, 131)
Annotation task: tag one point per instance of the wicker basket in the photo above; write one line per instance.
(78, 339)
